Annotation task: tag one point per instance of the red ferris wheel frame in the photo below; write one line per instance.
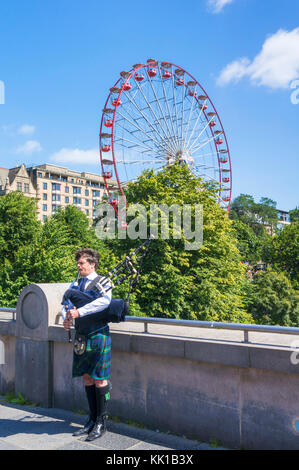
(223, 154)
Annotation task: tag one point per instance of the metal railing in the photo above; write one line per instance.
(8, 310)
(246, 328)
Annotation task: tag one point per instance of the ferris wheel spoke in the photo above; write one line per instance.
(204, 143)
(205, 127)
(202, 174)
(151, 109)
(137, 162)
(144, 117)
(203, 155)
(161, 111)
(150, 138)
(175, 108)
(183, 97)
(190, 113)
(194, 127)
(158, 123)
(119, 139)
(205, 167)
(167, 104)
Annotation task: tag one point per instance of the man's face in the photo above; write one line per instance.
(84, 267)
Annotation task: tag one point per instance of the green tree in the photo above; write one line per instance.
(282, 252)
(205, 283)
(294, 215)
(256, 215)
(18, 223)
(272, 300)
(42, 253)
(249, 244)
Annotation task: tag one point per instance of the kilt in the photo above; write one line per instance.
(96, 360)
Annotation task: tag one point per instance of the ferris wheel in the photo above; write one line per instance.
(157, 114)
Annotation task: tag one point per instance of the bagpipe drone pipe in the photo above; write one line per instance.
(117, 310)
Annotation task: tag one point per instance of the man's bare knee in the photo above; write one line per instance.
(88, 380)
(101, 383)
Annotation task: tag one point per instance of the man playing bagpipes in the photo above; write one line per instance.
(92, 358)
(89, 302)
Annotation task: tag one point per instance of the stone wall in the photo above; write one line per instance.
(245, 395)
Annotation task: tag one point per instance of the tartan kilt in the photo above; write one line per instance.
(96, 359)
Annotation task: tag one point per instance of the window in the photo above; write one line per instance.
(86, 211)
(44, 196)
(44, 218)
(40, 175)
(77, 200)
(86, 192)
(86, 202)
(76, 190)
(94, 203)
(67, 189)
(67, 199)
(55, 187)
(44, 207)
(19, 186)
(54, 207)
(26, 188)
(95, 193)
(55, 197)
(45, 185)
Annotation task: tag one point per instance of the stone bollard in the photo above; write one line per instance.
(38, 307)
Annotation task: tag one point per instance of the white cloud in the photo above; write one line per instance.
(29, 147)
(26, 129)
(276, 65)
(66, 155)
(216, 6)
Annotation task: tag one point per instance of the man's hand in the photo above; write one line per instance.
(67, 324)
(73, 313)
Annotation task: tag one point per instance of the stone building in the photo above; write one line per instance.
(54, 186)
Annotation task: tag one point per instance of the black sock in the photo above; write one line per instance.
(92, 401)
(103, 396)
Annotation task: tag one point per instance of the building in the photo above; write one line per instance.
(54, 186)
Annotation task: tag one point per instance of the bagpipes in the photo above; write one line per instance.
(117, 310)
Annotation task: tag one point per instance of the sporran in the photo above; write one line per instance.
(80, 344)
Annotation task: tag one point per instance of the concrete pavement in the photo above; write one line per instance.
(24, 427)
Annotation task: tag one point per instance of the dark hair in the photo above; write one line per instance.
(92, 256)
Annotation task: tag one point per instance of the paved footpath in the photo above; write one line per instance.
(36, 428)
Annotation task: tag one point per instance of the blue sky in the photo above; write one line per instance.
(60, 57)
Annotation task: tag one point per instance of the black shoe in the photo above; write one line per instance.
(98, 430)
(86, 429)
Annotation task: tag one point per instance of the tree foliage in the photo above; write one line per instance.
(282, 252)
(205, 283)
(40, 253)
(272, 300)
(256, 215)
